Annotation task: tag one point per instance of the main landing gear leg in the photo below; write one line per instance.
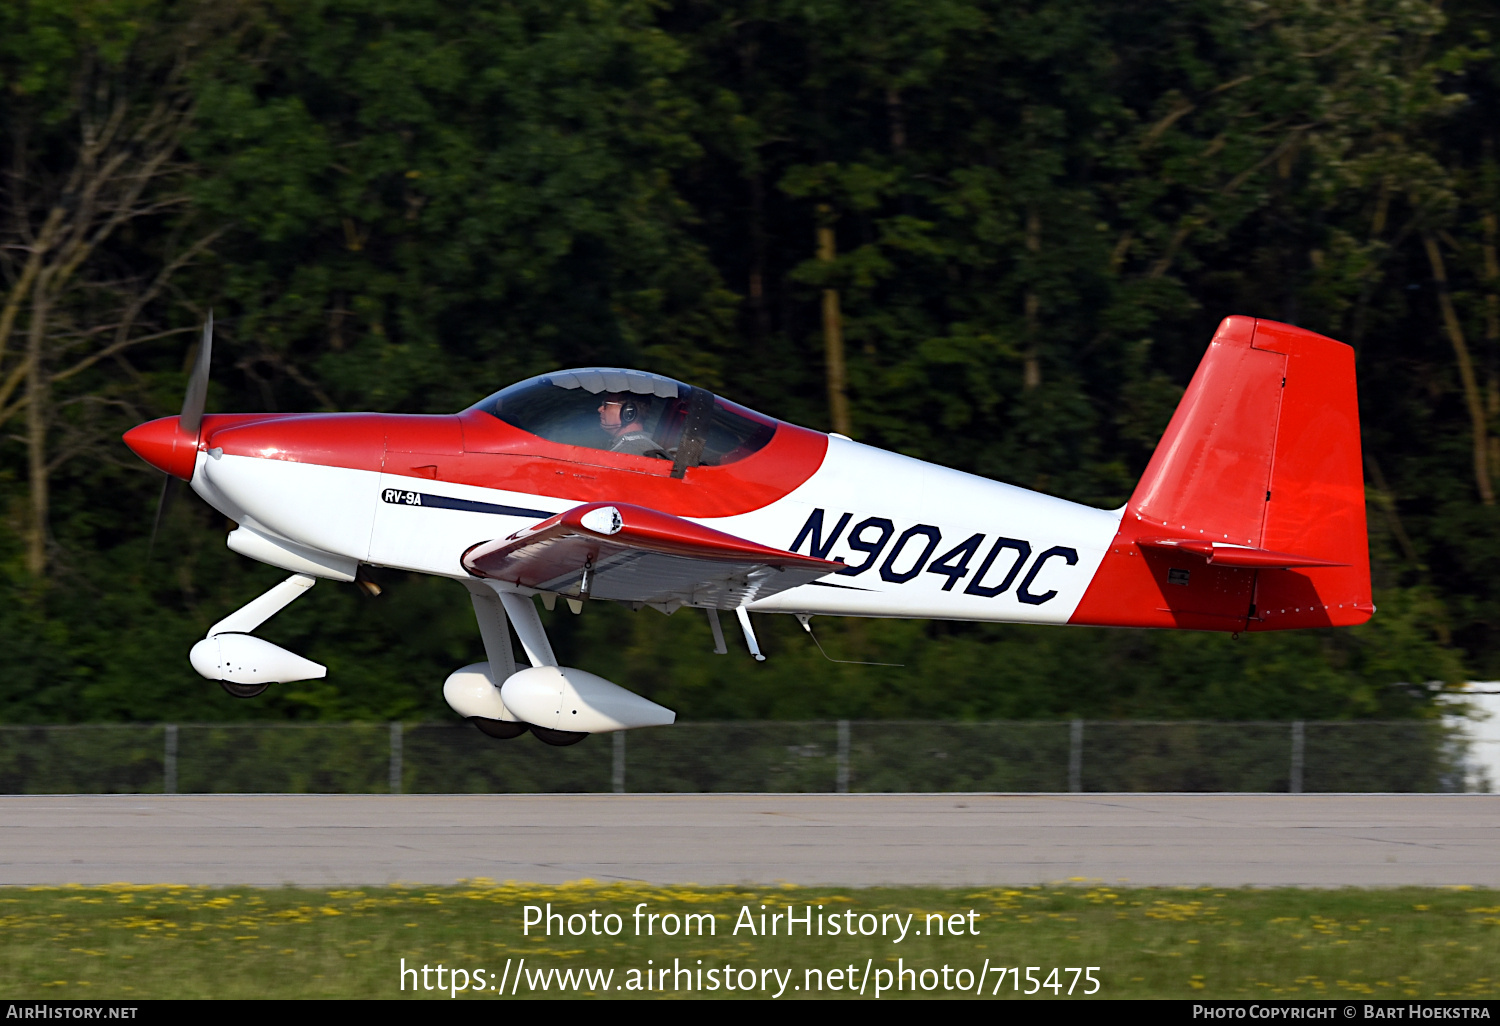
(493, 607)
(494, 629)
(528, 627)
(533, 637)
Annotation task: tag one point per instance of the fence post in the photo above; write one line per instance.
(396, 767)
(618, 777)
(1075, 757)
(169, 761)
(841, 774)
(1299, 748)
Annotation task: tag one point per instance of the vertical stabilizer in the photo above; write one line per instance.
(1251, 513)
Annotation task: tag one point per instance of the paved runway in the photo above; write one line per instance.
(858, 840)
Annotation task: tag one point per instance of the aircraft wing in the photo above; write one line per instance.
(633, 554)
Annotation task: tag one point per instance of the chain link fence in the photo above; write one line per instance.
(841, 756)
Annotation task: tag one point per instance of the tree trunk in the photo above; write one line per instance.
(37, 389)
(1032, 375)
(897, 119)
(1491, 278)
(35, 260)
(1466, 374)
(833, 332)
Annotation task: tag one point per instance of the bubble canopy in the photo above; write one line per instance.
(634, 412)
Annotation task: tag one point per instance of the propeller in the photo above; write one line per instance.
(190, 421)
(191, 418)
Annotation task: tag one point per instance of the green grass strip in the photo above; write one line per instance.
(128, 941)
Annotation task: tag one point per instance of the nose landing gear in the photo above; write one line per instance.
(244, 664)
(243, 690)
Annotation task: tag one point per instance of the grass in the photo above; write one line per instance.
(130, 941)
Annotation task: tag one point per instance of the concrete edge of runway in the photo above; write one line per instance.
(759, 794)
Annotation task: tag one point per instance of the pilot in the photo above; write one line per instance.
(620, 417)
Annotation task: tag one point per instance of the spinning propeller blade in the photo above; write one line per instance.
(197, 390)
(161, 512)
(190, 420)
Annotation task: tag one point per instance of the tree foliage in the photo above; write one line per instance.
(1032, 215)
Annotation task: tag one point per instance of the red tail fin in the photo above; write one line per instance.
(1251, 513)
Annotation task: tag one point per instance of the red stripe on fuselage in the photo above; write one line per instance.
(474, 448)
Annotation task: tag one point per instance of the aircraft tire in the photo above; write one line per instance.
(558, 738)
(243, 690)
(501, 729)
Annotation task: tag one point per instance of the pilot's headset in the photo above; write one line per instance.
(629, 409)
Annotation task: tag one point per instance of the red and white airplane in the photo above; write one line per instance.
(631, 487)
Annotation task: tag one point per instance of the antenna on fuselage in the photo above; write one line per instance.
(805, 619)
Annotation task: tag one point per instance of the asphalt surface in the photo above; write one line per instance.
(855, 840)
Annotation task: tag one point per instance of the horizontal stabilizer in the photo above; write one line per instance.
(1221, 554)
(633, 554)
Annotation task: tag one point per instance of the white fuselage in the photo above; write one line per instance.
(1012, 554)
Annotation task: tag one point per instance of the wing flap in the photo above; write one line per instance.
(630, 553)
